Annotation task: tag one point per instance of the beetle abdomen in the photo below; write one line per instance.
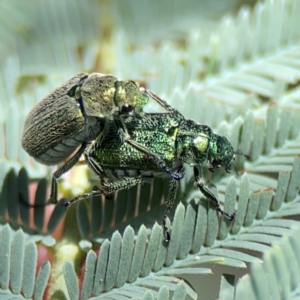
(56, 126)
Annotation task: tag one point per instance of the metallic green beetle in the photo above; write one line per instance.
(60, 127)
(175, 139)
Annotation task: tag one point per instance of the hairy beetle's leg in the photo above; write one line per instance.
(139, 147)
(108, 188)
(69, 164)
(123, 133)
(101, 137)
(92, 163)
(156, 158)
(209, 194)
(125, 137)
(173, 187)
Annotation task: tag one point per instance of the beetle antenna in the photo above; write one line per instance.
(239, 152)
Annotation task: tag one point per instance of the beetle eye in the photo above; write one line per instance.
(126, 109)
(72, 91)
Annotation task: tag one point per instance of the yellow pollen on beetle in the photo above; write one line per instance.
(175, 133)
(201, 143)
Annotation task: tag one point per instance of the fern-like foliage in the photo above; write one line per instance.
(18, 267)
(241, 78)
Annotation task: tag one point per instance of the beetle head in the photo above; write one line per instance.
(221, 153)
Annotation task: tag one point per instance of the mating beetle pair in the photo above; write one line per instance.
(75, 114)
(123, 145)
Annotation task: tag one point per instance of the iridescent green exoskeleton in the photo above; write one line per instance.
(60, 127)
(174, 139)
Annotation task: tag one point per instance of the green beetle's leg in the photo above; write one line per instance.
(69, 164)
(108, 188)
(155, 157)
(169, 203)
(173, 187)
(209, 194)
